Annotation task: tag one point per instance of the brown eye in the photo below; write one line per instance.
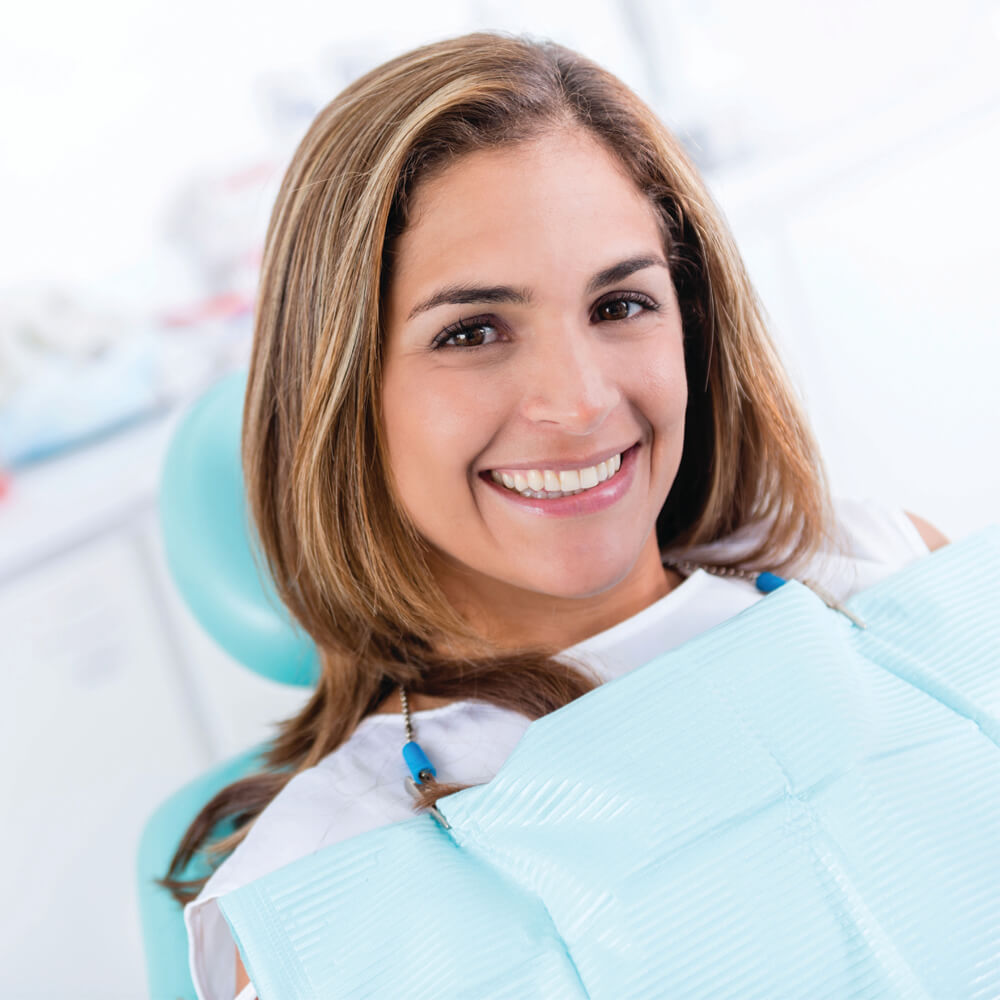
(619, 309)
(473, 336)
(623, 307)
(467, 334)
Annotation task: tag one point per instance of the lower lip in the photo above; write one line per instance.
(591, 501)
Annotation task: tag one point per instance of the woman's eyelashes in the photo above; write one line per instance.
(481, 331)
(467, 333)
(610, 309)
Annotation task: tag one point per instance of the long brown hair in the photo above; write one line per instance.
(345, 560)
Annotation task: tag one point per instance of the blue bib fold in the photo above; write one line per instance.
(785, 807)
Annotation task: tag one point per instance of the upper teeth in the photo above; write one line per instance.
(549, 484)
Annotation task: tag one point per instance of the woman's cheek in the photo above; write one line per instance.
(447, 427)
(660, 380)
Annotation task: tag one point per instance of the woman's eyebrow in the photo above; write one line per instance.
(465, 293)
(621, 270)
(461, 294)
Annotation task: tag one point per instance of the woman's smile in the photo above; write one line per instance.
(534, 388)
(566, 489)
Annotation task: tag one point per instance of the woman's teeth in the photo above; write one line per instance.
(547, 485)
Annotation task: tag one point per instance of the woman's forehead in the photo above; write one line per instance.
(559, 204)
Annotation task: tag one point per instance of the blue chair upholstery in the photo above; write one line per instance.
(208, 547)
(163, 933)
(212, 560)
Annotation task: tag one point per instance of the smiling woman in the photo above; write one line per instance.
(508, 376)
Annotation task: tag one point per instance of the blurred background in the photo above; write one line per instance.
(854, 148)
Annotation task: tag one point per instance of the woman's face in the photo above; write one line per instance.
(534, 388)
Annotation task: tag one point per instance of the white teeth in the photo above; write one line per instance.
(569, 480)
(548, 484)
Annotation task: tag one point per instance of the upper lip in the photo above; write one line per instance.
(563, 465)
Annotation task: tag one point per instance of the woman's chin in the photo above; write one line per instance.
(576, 582)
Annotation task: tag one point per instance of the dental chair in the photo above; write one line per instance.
(211, 559)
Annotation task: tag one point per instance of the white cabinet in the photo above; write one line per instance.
(97, 730)
(111, 699)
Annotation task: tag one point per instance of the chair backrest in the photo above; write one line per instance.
(163, 934)
(209, 548)
(219, 573)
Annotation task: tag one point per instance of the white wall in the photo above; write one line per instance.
(876, 255)
(854, 149)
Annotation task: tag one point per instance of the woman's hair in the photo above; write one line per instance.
(345, 559)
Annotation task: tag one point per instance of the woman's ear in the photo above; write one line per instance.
(931, 536)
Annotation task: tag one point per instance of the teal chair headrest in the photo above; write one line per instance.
(209, 548)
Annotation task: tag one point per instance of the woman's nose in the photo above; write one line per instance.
(570, 382)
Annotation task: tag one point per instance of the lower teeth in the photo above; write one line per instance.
(542, 495)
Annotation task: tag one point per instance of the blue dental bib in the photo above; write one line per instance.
(787, 806)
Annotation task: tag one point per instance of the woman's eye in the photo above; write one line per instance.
(623, 307)
(467, 335)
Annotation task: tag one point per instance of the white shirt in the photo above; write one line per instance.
(360, 786)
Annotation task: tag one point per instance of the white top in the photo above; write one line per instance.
(360, 786)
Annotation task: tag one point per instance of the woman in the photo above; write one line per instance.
(508, 379)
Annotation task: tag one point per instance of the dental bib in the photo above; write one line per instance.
(788, 806)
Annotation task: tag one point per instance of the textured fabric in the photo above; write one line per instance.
(360, 786)
(786, 806)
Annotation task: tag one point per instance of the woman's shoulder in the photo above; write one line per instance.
(361, 785)
(353, 789)
(357, 788)
(876, 531)
(319, 806)
(870, 540)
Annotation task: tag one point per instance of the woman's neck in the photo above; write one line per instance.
(555, 627)
(513, 618)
